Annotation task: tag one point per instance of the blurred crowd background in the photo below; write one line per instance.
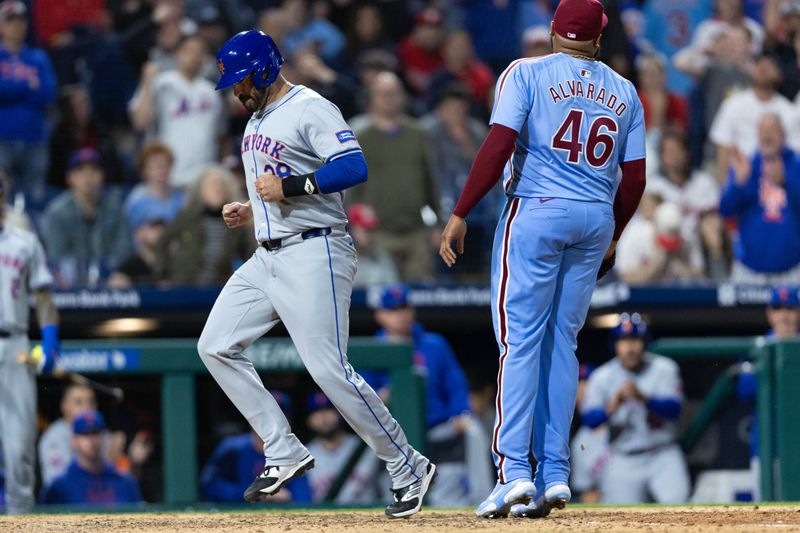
(117, 151)
(115, 143)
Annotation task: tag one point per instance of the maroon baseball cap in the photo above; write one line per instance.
(579, 20)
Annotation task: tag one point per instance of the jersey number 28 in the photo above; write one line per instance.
(568, 138)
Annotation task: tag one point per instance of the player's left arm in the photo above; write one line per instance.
(632, 183)
(39, 281)
(330, 138)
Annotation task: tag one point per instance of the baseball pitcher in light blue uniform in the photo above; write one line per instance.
(562, 127)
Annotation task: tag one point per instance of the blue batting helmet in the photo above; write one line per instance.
(631, 326)
(246, 52)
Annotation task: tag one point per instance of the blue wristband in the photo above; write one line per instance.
(50, 336)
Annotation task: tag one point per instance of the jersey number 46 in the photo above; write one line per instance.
(568, 139)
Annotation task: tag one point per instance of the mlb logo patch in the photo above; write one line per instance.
(586, 74)
(345, 136)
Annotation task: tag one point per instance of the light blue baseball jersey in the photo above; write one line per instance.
(577, 121)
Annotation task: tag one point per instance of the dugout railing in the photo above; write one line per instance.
(177, 364)
(777, 365)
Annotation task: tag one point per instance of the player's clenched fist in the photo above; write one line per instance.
(455, 230)
(269, 188)
(237, 214)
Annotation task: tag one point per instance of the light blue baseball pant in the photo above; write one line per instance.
(544, 267)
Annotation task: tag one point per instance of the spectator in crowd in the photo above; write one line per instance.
(182, 109)
(725, 70)
(335, 451)
(454, 138)
(139, 268)
(420, 53)
(367, 32)
(197, 248)
(13, 213)
(273, 22)
(694, 191)
(782, 21)
(716, 245)
(536, 42)
(375, 266)
(77, 127)
(639, 396)
(155, 198)
(89, 479)
(55, 450)
(54, 20)
(763, 196)
(372, 63)
(401, 181)
(484, 18)
(589, 451)
(736, 125)
(27, 87)
(307, 68)
(84, 229)
(68, 30)
(658, 250)
(460, 64)
(456, 440)
(306, 31)
(662, 109)
(170, 27)
(728, 15)
(668, 29)
(238, 459)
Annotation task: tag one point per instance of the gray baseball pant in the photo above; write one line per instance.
(306, 284)
(17, 424)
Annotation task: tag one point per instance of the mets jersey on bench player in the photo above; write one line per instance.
(274, 144)
(23, 267)
(577, 121)
(633, 427)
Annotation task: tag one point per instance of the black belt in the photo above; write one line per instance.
(275, 244)
(4, 334)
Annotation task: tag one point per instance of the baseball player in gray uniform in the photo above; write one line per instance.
(639, 395)
(299, 156)
(23, 270)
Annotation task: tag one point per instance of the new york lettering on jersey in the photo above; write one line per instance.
(274, 143)
(575, 117)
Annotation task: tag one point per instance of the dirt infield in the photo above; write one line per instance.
(651, 519)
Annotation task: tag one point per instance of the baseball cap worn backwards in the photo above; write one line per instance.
(579, 20)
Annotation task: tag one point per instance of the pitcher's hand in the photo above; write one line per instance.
(237, 214)
(455, 230)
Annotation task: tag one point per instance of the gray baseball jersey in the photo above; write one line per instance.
(645, 463)
(23, 268)
(631, 426)
(294, 136)
(306, 284)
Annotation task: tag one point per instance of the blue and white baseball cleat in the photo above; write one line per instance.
(556, 497)
(504, 496)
